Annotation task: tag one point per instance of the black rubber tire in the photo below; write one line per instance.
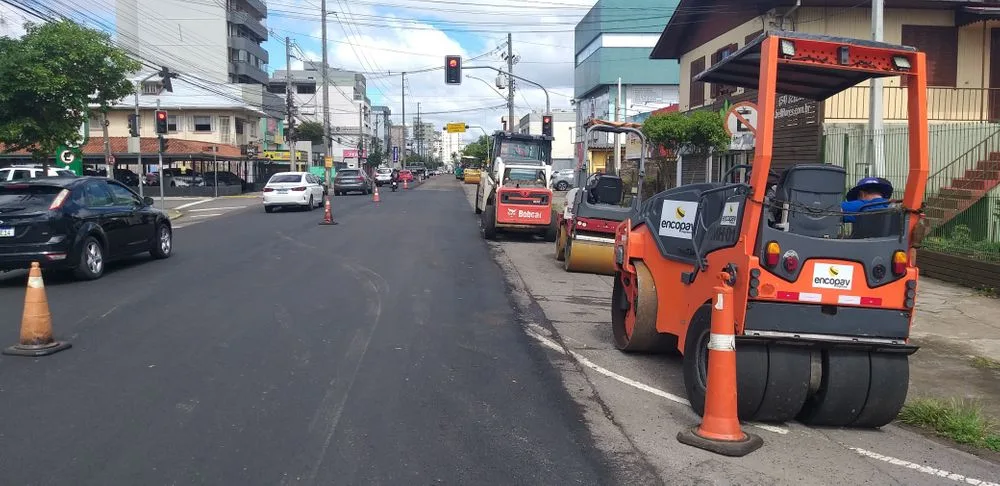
(158, 251)
(489, 218)
(268, 209)
(561, 245)
(842, 391)
(751, 368)
(788, 373)
(644, 338)
(82, 270)
(562, 186)
(552, 232)
(888, 384)
(475, 205)
(312, 203)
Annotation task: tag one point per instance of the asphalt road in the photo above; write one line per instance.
(271, 350)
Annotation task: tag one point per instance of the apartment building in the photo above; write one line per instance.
(217, 41)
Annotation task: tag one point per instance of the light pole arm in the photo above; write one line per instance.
(548, 106)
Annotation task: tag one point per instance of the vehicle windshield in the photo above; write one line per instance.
(348, 173)
(524, 177)
(16, 197)
(385, 171)
(524, 151)
(285, 178)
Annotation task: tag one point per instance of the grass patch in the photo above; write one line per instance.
(959, 420)
(985, 363)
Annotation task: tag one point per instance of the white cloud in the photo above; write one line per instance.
(12, 21)
(395, 41)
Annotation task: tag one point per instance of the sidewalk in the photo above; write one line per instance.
(954, 326)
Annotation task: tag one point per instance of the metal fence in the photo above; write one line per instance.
(957, 152)
(943, 104)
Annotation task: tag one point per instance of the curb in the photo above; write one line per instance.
(242, 196)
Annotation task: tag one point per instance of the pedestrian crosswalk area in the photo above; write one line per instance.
(195, 215)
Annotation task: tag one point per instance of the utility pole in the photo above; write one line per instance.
(876, 153)
(361, 131)
(618, 140)
(510, 84)
(107, 146)
(289, 104)
(419, 133)
(159, 169)
(402, 155)
(327, 148)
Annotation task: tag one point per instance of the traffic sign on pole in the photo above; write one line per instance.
(458, 127)
(395, 153)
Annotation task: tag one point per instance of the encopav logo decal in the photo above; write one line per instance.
(677, 219)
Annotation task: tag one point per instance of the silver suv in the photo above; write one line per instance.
(563, 179)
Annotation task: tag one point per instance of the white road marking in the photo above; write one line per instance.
(924, 469)
(226, 208)
(200, 201)
(205, 215)
(630, 382)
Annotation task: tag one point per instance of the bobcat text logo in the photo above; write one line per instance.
(511, 212)
(528, 214)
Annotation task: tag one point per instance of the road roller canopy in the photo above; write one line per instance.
(812, 66)
(817, 67)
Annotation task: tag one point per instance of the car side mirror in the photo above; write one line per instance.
(148, 201)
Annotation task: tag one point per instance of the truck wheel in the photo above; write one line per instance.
(476, 205)
(489, 219)
(552, 232)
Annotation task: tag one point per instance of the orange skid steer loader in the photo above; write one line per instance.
(822, 309)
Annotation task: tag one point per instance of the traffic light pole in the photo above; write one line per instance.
(159, 170)
(138, 131)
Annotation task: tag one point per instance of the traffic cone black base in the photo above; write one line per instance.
(731, 448)
(37, 350)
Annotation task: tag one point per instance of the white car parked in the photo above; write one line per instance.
(383, 176)
(293, 189)
(18, 172)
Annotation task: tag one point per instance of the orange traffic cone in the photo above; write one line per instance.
(376, 198)
(36, 322)
(406, 184)
(720, 430)
(327, 214)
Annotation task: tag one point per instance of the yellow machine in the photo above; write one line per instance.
(586, 237)
(471, 176)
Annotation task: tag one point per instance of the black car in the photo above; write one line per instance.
(78, 224)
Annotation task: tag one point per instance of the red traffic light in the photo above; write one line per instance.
(546, 119)
(452, 62)
(161, 115)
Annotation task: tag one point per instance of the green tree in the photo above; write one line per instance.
(693, 133)
(376, 155)
(50, 77)
(479, 149)
(310, 131)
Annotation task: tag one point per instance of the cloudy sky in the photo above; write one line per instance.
(390, 36)
(382, 38)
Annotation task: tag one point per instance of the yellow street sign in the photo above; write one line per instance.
(283, 155)
(456, 127)
(328, 162)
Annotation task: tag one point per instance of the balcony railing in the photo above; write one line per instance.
(250, 22)
(943, 104)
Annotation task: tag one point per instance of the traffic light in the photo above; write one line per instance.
(453, 69)
(164, 145)
(133, 125)
(547, 125)
(161, 122)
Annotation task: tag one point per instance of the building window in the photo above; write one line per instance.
(202, 123)
(239, 126)
(941, 46)
(306, 89)
(721, 89)
(151, 88)
(95, 123)
(224, 129)
(752, 37)
(697, 95)
(171, 123)
(276, 88)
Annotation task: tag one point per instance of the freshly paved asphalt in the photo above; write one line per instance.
(271, 350)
